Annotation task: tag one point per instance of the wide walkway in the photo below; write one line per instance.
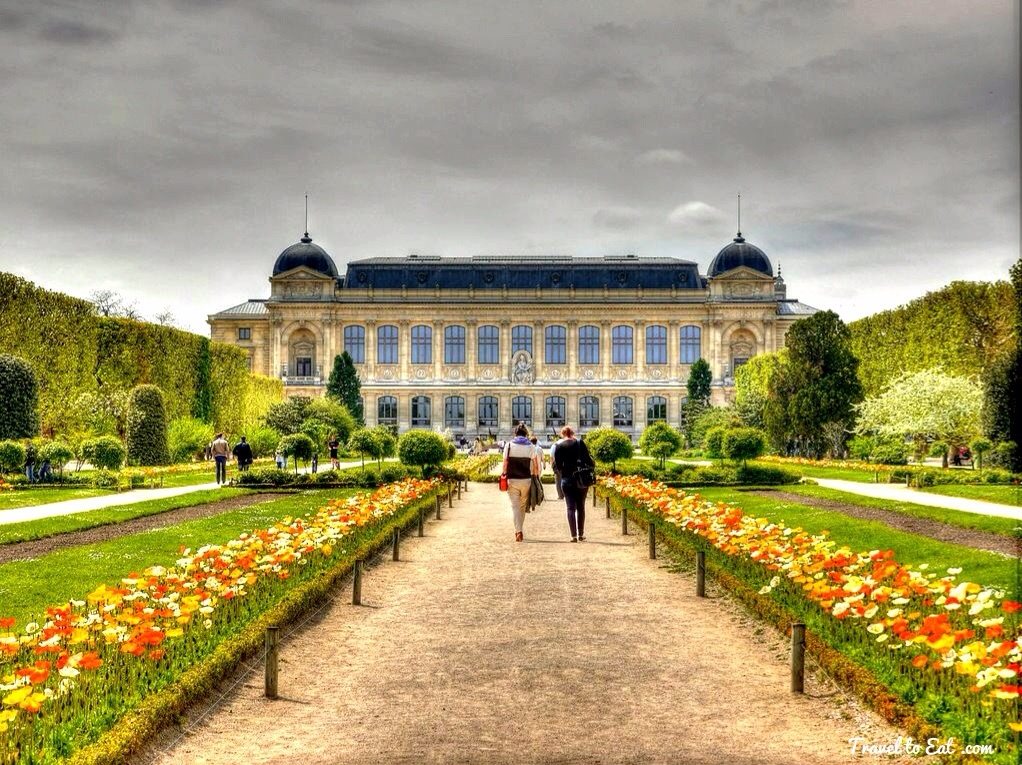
(475, 649)
(901, 493)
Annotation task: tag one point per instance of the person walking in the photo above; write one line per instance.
(520, 464)
(333, 445)
(570, 456)
(243, 454)
(220, 450)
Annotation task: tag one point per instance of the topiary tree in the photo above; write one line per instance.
(660, 440)
(19, 398)
(422, 448)
(59, 453)
(345, 387)
(364, 442)
(386, 443)
(297, 446)
(743, 444)
(979, 447)
(187, 437)
(147, 427)
(713, 442)
(12, 456)
(104, 453)
(609, 445)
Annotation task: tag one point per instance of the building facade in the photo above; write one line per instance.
(476, 344)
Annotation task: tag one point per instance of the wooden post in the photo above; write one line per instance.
(608, 505)
(450, 495)
(270, 641)
(798, 657)
(396, 544)
(459, 491)
(437, 507)
(466, 486)
(651, 527)
(356, 584)
(700, 574)
(624, 521)
(422, 521)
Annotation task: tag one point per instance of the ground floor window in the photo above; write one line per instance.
(555, 412)
(489, 409)
(454, 412)
(623, 412)
(421, 412)
(589, 412)
(656, 409)
(386, 411)
(521, 410)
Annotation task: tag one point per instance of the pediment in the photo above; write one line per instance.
(743, 273)
(303, 273)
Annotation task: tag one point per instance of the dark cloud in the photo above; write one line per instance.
(66, 32)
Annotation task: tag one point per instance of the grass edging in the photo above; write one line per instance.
(157, 711)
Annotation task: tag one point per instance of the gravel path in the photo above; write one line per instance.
(475, 649)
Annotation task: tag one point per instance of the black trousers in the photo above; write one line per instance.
(575, 500)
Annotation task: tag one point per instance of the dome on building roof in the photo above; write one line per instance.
(307, 254)
(740, 253)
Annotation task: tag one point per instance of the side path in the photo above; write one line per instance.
(475, 649)
(900, 493)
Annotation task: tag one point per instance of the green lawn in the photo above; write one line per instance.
(1005, 495)
(989, 523)
(28, 587)
(60, 524)
(814, 471)
(987, 568)
(28, 497)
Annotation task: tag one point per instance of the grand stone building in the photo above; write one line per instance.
(476, 344)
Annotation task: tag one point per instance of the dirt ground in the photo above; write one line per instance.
(943, 532)
(475, 649)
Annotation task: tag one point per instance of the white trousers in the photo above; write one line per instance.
(518, 494)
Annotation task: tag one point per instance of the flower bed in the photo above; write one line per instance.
(65, 681)
(950, 648)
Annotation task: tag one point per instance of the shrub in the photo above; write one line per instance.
(713, 442)
(660, 440)
(271, 476)
(387, 443)
(286, 417)
(332, 414)
(979, 447)
(318, 432)
(12, 456)
(147, 427)
(363, 442)
(609, 445)
(422, 448)
(104, 479)
(1003, 455)
(187, 437)
(58, 453)
(19, 398)
(392, 473)
(743, 444)
(263, 440)
(717, 416)
(297, 446)
(104, 452)
(765, 476)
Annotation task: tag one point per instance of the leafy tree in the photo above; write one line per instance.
(334, 415)
(319, 432)
(386, 443)
(263, 440)
(743, 444)
(345, 387)
(713, 441)
(58, 453)
(882, 450)
(202, 406)
(363, 442)
(286, 417)
(19, 398)
(929, 407)
(699, 379)
(979, 447)
(296, 446)
(717, 416)
(187, 437)
(12, 456)
(660, 440)
(147, 426)
(422, 448)
(752, 386)
(609, 445)
(104, 452)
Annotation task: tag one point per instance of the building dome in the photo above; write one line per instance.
(307, 254)
(740, 253)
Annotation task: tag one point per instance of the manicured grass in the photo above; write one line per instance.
(1005, 495)
(28, 587)
(814, 471)
(61, 524)
(986, 568)
(989, 523)
(29, 497)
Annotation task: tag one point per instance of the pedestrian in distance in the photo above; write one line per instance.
(280, 459)
(220, 450)
(520, 465)
(557, 472)
(333, 445)
(315, 462)
(576, 466)
(243, 454)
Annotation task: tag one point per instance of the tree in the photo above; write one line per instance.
(928, 407)
(12, 456)
(286, 417)
(608, 445)
(187, 437)
(104, 452)
(743, 444)
(263, 440)
(58, 453)
(147, 426)
(752, 386)
(979, 447)
(817, 386)
(422, 448)
(165, 318)
(297, 446)
(713, 441)
(363, 441)
(660, 440)
(19, 398)
(344, 386)
(386, 443)
(714, 417)
(334, 415)
(699, 379)
(106, 302)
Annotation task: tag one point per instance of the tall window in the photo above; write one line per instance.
(244, 333)
(489, 344)
(386, 411)
(589, 345)
(421, 412)
(521, 410)
(556, 345)
(454, 412)
(555, 412)
(422, 344)
(521, 339)
(621, 344)
(355, 342)
(454, 344)
(488, 411)
(589, 412)
(386, 344)
(656, 409)
(690, 344)
(656, 344)
(623, 412)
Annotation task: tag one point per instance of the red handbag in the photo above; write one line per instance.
(503, 482)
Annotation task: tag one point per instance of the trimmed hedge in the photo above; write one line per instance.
(19, 398)
(714, 475)
(147, 427)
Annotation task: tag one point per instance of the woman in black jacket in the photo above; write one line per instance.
(571, 454)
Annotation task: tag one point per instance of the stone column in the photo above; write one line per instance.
(438, 350)
(605, 345)
(471, 355)
(504, 416)
(572, 351)
(538, 352)
(274, 335)
(571, 397)
(504, 352)
(404, 351)
(370, 363)
(640, 350)
(404, 411)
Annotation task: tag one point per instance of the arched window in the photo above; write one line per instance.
(454, 412)
(623, 412)
(355, 342)
(421, 406)
(386, 411)
(302, 352)
(454, 344)
(656, 409)
(691, 348)
(386, 344)
(589, 412)
(621, 344)
(422, 344)
(589, 344)
(489, 344)
(656, 344)
(556, 344)
(555, 412)
(521, 339)
(489, 409)
(521, 410)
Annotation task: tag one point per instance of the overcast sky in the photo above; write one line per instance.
(163, 149)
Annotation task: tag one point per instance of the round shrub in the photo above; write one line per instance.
(58, 453)
(12, 456)
(187, 438)
(19, 398)
(608, 445)
(660, 440)
(104, 479)
(743, 444)
(105, 452)
(713, 442)
(297, 446)
(147, 427)
(422, 448)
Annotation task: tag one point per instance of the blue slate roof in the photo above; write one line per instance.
(485, 272)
